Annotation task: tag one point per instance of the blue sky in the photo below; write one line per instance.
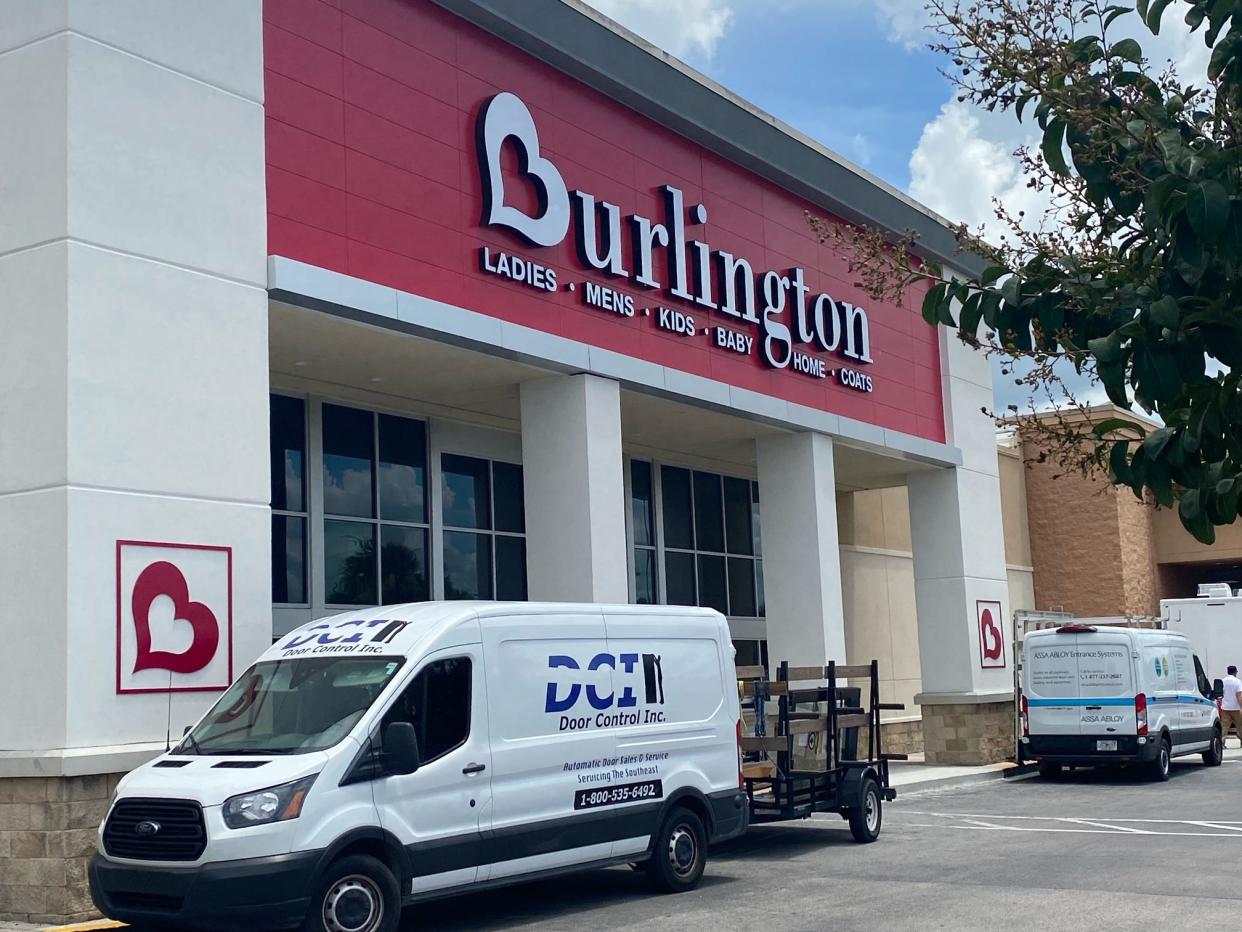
(833, 74)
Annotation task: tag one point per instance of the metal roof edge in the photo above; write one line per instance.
(594, 49)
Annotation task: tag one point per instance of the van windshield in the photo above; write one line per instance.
(291, 706)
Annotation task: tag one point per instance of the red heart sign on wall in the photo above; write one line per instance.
(162, 578)
(174, 617)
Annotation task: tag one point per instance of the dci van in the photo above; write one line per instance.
(377, 758)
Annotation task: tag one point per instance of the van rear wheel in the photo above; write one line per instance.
(1214, 756)
(679, 853)
(358, 893)
(1158, 769)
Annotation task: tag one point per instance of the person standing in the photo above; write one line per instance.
(1231, 705)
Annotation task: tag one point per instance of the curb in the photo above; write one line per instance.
(1021, 772)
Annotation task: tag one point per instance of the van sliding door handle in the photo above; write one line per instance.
(474, 768)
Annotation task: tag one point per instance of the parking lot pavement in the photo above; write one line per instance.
(1108, 850)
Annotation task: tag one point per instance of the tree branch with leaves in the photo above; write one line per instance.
(1133, 275)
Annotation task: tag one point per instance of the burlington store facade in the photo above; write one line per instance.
(346, 302)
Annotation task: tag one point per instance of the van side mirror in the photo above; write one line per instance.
(1218, 689)
(400, 748)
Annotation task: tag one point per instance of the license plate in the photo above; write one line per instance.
(1106, 745)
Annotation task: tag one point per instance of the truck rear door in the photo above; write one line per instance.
(1051, 685)
(1106, 685)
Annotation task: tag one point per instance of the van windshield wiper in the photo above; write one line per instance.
(248, 752)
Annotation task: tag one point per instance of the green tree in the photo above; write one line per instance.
(1134, 276)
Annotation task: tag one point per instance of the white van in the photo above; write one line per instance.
(1109, 695)
(379, 757)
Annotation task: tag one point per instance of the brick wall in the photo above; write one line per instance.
(1092, 545)
(48, 831)
(968, 735)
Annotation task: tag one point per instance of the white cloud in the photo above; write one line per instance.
(904, 21)
(686, 28)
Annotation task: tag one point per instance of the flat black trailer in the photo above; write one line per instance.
(782, 771)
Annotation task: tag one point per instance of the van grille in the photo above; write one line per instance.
(181, 834)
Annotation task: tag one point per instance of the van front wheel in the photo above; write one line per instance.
(679, 853)
(357, 894)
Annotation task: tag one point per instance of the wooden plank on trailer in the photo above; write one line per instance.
(752, 673)
(771, 689)
(807, 673)
(759, 770)
(854, 672)
(853, 721)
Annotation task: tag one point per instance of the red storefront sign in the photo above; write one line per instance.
(407, 147)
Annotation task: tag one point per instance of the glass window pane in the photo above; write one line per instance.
(746, 653)
(712, 583)
(754, 518)
(640, 504)
(679, 578)
(675, 497)
(645, 589)
(466, 492)
(510, 568)
(404, 564)
(348, 462)
(437, 704)
(467, 565)
(349, 563)
(509, 503)
(741, 588)
(737, 515)
(288, 559)
(760, 606)
(708, 512)
(288, 453)
(403, 469)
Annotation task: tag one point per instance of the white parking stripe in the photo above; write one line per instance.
(1097, 824)
(1074, 825)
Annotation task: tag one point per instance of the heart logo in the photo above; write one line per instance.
(505, 117)
(991, 633)
(163, 578)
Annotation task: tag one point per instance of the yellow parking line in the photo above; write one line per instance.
(87, 926)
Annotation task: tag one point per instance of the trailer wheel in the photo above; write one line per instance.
(868, 815)
(679, 853)
(1214, 756)
(356, 894)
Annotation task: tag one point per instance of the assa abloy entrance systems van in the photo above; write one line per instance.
(1096, 694)
(376, 758)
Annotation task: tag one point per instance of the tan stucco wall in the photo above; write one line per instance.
(1013, 506)
(877, 589)
(1173, 544)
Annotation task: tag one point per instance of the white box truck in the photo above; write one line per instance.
(1100, 695)
(379, 757)
(1213, 623)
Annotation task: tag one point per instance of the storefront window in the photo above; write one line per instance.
(710, 543)
(383, 559)
(483, 512)
(642, 512)
(289, 508)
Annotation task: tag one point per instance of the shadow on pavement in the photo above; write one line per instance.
(1121, 776)
(541, 900)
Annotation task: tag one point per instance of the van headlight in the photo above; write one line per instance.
(274, 804)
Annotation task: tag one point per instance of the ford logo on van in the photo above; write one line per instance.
(147, 829)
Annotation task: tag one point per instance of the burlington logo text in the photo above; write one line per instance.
(788, 322)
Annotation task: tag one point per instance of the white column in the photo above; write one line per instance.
(801, 555)
(133, 364)
(575, 490)
(959, 545)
